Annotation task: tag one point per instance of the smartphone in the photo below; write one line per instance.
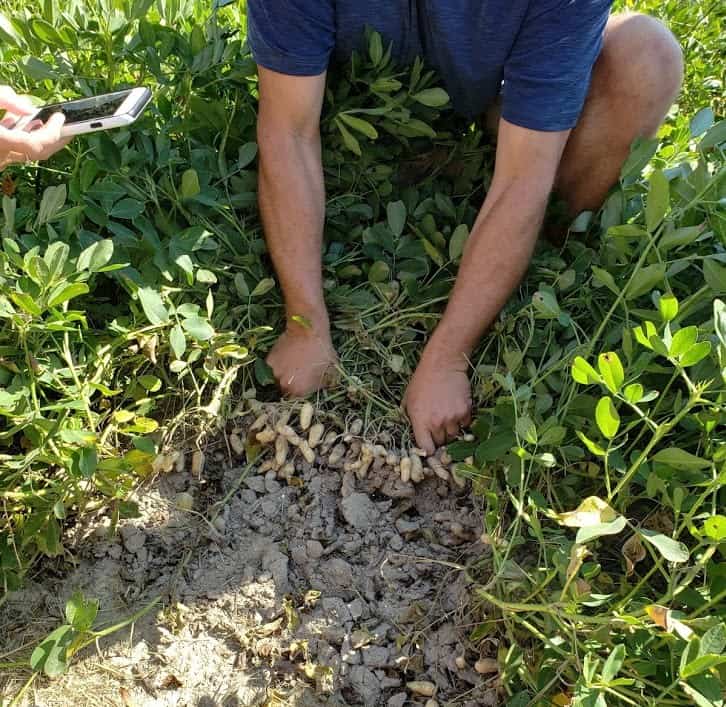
(87, 115)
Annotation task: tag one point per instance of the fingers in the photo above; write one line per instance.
(36, 144)
(423, 436)
(11, 101)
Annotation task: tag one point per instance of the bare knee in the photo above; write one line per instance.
(641, 57)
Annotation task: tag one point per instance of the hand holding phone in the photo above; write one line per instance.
(20, 145)
(87, 115)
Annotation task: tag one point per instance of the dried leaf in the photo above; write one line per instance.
(633, 552)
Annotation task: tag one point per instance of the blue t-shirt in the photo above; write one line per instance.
(538, 53)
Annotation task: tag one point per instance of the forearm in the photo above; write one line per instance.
(495, 259)
(292, 204)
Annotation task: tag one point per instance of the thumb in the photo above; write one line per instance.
(11, 101)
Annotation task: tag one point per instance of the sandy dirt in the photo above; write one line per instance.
(315, 582)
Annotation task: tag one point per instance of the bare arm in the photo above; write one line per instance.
(495, 258)
(292, 203)
(291, 191)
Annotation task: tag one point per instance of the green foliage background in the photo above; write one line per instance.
(135, 292)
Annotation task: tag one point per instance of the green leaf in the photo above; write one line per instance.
(672, 550)
(627, 230)
(614, 663)
(177, 341)
(50, 656)
(683, 340)
(668, 307)
(715, 528)
(644, 333)
(680, 459)
(432, 97)
(714, 275)
(55, 258)
(348, 140)
(80, 612)
(66, 291)
(679, 237)
(375, 48)
(241, 286)
(695, 354)
(45, 32)
(715, 136)
(705, 690)
(640, 154)
(611, 370)
(396, 215)
(362, 126)
(432, 252)
(457, 242)
(702, 664)
(584, 535)
(714, 640)
(127, 209)
(153, 306)
(546, 304)
(246, 154)
(701, 122)
(658, 199)
(583, 372)
(96, 255)
(379, 272)
(607, 417)
(198, 328)
(602, 276)
(645, 280)
(263, 287)
(633, 393)
(594, 448)
(189, 184)
(526, 429)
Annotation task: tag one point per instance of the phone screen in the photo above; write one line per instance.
(85, 108)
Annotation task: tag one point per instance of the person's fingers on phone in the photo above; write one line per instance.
(11, 101)
(37, 144)
(9, 120)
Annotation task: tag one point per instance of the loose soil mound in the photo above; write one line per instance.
(326, 587)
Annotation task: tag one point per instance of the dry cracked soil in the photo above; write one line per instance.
(313, 576)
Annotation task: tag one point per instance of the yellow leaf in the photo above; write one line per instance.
(592, 511)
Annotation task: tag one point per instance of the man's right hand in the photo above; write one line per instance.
(303, 362)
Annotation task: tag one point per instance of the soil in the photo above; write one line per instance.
(311, 583)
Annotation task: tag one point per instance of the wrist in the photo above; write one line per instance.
(445, 351)
(303, 321)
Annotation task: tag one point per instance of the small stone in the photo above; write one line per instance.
(359, 511)
(348, 654)
(397, 700)
(407, 526)
(314, 549)
(356, 608)
(375, 656)
(271, 485)
(365, 683)
(256, 483)
(133, 538)
(338, 573)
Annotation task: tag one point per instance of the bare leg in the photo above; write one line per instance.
(634, 83)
